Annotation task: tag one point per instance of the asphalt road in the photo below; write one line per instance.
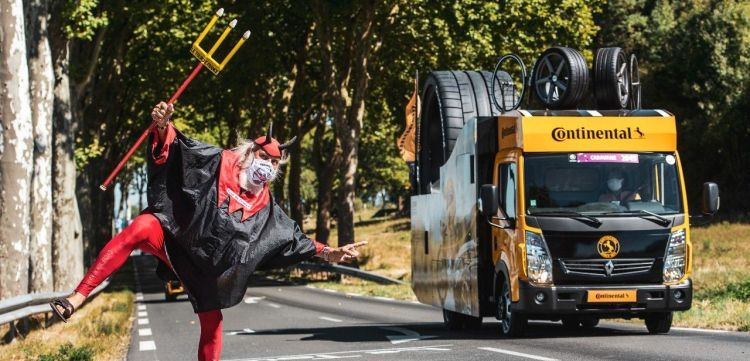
(288, 322)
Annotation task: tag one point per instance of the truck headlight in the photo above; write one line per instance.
(674, 258)
(538, 261)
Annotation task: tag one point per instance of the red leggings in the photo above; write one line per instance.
(145, 233)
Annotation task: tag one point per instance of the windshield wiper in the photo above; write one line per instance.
(571, 214)
(662, 220)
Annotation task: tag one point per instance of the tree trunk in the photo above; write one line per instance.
(16, 152)
(295, 173)
(67, 242)
(42, 82)
(325, 169)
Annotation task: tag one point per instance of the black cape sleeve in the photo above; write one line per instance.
(178, 185)
(295, 246)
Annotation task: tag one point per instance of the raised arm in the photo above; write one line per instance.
(161, 115)
(164, 132)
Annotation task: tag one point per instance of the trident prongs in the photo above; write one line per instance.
(234, 50)
(206, 58)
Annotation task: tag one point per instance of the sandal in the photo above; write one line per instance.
(66, 305)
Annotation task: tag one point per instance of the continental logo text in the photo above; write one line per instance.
(561, 134)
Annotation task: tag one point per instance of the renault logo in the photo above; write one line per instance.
(608, 267)
(608, 246)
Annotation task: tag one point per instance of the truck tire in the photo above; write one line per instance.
(560, 78)
(659, 322)
(512, 323)
(611, 79)
(449, 99)
(458, 321)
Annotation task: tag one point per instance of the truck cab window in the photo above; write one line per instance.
(602, 183)
(507, 188)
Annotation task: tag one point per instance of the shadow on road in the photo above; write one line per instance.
(436, 331)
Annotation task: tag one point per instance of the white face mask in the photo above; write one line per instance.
(614, 184)
(260, 172)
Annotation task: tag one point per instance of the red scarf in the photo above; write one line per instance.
(229, 187)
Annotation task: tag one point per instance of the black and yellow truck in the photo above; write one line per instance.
(554, 214)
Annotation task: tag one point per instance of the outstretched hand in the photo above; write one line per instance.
(346, 253)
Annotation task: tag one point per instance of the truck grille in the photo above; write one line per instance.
(607, 267)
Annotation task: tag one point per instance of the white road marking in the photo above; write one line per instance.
(699, 330)
(352, 294)
(245, 331)
(144, 332)
(273, 305)
(141, 307)
(139, 297)
(348, 354)
(146, 345)
(251, 300)
(329, 319)
(384, 298)
(142, 314)
(406, 335)
(143, 321)
(330, 290)
(519, 354)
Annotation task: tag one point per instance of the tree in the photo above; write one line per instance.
(16, 158)
(346, 53)
(42, 81)
(67, 233)
(695, 60)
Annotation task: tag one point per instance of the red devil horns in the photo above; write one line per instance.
(272, 146)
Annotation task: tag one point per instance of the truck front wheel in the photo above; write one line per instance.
(511, 322)
(659, 322)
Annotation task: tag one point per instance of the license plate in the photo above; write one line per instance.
(611, 296)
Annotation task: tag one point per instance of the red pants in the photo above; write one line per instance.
(145, 233)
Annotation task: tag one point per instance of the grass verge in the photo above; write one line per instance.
(98, 331)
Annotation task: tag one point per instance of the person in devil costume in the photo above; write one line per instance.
(212, 221)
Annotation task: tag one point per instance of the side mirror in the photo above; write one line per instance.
(710, 203)
(488, 197)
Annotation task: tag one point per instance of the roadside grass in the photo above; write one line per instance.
(720, 271)
(98, 331)
(721, 278)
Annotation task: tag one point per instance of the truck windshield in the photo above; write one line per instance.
(601, 183)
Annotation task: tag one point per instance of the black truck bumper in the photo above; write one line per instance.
(572, 300)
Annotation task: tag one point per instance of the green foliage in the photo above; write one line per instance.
(696, 61)
(694, 56)
(68, 352)
(739, 291)
(82, 19)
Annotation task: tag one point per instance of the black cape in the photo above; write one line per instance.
(213, 252)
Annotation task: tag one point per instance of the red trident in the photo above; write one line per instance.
(204, 59)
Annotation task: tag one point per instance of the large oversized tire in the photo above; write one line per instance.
(449, 99)
(561, 78)
(611, 79)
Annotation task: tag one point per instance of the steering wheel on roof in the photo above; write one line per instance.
(508, 85)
